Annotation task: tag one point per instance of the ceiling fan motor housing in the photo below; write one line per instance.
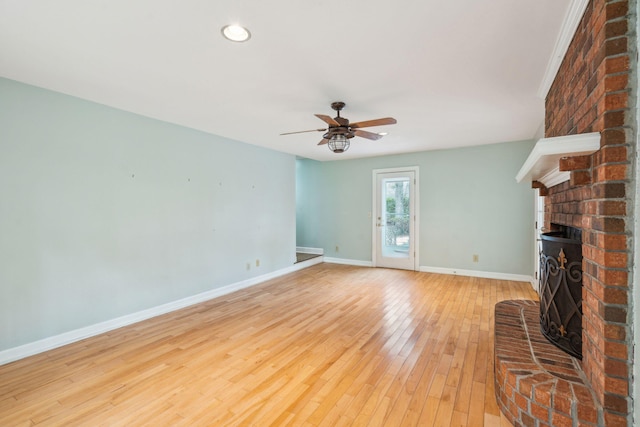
(338, 130)
(343, 129)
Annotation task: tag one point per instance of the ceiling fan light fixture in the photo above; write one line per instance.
(339, 143)
(235, 33)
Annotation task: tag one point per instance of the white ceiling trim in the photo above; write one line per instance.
(567, 31)
(542, 163)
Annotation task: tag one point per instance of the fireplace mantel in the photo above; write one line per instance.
(542, 163)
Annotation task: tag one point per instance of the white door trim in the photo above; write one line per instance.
(374, 206)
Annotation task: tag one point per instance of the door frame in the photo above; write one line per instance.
(538, 229)
(416, 212)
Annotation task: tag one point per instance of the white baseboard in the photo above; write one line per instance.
(534, 283)
(440, 270)
(476, 273)
(49, 343)
(309, 263)
(26, 350)
(314, 251)
(355, 262)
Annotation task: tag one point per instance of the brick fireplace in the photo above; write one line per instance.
(591, 93)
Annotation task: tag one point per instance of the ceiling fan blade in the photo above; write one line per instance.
(368, 135)
(328, 120)
(377, 122)
(304, 131)
(324, 141)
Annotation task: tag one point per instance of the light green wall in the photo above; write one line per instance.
(470, 204)
(104, 213)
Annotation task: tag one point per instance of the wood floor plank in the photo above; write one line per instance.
(476, 405)
(330, 345)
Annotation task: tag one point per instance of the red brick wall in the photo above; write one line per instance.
(591, 94)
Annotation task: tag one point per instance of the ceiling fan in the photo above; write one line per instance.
(340, 131)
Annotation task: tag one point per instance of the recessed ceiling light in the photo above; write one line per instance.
(236, 33)
(383, 133)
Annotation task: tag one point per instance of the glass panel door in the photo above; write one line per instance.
(395, 217)
(395, 220)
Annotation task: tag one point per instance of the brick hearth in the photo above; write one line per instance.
(537, 384)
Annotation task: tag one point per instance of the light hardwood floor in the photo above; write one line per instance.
(325, 346)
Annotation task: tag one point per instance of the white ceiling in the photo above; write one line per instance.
(453, 73)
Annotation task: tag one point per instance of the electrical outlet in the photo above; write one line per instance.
(337, 248)
(248, 266)
(475, 258)
(257, 263)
